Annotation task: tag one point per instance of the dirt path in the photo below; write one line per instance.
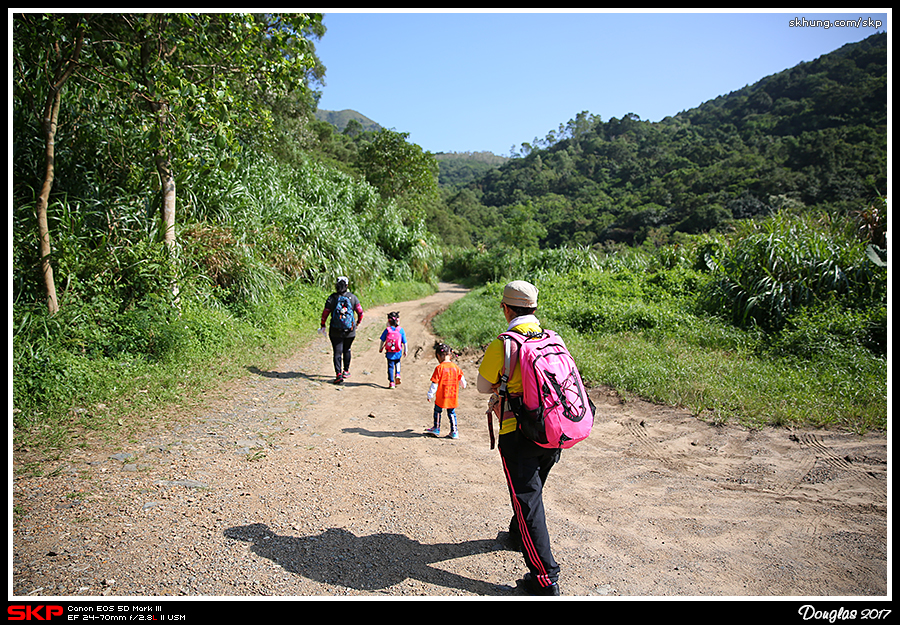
(286, 485)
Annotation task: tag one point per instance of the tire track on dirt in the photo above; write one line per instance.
(833, 460)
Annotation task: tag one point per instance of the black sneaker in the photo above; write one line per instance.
(531, 586)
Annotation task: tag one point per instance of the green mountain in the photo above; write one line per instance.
(340, 119)
(812, 135)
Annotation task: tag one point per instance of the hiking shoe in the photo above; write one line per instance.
(454, 435)
(530, 585)
(391, 385)
(433, 431)
(345, 374)
(339, 379)
(397, 380)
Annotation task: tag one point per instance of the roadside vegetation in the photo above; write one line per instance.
(782, 322)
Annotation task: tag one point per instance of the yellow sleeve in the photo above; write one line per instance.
(490, 368)
(492, 365)
(492, 361)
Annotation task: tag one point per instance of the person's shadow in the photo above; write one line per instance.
(312, 377)
(367, 563)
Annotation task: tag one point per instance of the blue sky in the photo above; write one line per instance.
(478, 81)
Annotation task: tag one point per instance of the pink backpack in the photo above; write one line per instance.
(555, 410)
(393, 342)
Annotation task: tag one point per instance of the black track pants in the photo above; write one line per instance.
(526, 467)
(341, 346)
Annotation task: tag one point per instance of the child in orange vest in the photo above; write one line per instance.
(444, 391)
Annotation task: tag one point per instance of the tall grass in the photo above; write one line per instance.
(308, 222)
(787, 263)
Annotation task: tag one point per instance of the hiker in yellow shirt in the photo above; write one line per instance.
(525, 464)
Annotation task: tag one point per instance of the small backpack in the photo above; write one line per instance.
(393, 342)
(342, 317)
(554, 410)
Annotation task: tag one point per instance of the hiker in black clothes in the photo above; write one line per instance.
(346, 314)
(525, 464)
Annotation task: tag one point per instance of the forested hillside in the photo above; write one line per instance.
(458, 169)
(812, 135)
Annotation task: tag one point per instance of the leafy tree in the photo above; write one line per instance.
(520, 230)
(46, 53)
(400, 170)
(197, 79)
(164, 93)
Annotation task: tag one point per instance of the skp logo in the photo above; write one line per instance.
(33, 613)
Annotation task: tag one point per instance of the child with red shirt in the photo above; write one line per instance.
(444, 391)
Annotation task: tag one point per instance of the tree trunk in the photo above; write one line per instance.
(164, 168)
(167, 180)
(49, 118)
(49, 124)
(166, 176)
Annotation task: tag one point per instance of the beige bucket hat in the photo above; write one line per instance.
(520, 293)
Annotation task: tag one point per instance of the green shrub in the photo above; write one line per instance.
(785, 264)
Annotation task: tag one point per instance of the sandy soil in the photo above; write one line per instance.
(283, 484)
